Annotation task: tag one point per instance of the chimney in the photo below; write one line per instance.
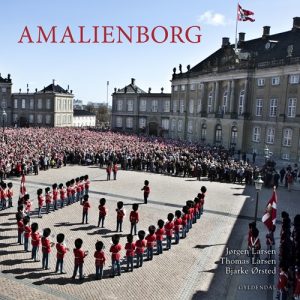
(8, 76)
(266, 31)
(296, 23)
(242, 36)
(149, 90)
(132, 81)
(225, 42)
(54, 81)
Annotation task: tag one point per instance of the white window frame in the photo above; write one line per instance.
(261, 82)
(259, 107)
(218, 133)
(256, 134)
(199, 106)
(181, 106)
(167, 106)
(48, 103)
(39, 119)
(275, 80)
(40, 104)
(31, 104)
(23, 103)
(48, 119)
(292, 105)
(143, 105)
(182, 87)
(225, 102)
(180, 125)
(287, 136)
(154, 105)
(129, 122)
(273, 107)
(191, 106)
(119, 105)
(130, 105)
(241, 103)
(190, 126)
(31, 119)
(142, 122)
(210, 102)
(175, 87)
(173, 125)
(294, 79)
(175, 106)
(15, 103)
(193, 87)
(119, 122)
(165, 124)
(270, 138)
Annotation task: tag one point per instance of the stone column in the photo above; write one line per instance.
(231, 105)
(216, 97)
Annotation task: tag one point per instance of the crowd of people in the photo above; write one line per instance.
(27, 150)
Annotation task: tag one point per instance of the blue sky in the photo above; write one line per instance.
(87, 68)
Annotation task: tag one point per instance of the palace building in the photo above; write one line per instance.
(246, 98)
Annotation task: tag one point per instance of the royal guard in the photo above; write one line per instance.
(27, 233)
(61, 251)
(86, 184)
(134, 218)
(108, 171)
(46, 248)
(115, 255)
(120, 215)
(85, 210)
(78, 189)
(270, 241)
(81, 185)
(115, 170)
(55, 196)
(102, 212)
(255, 245)
(169, 230)
(140, 245)
(146, 190)
(99, 259)
(160, 231)
(10, 194)
(79, 255)
(282, 286)
(69, 193)
(48, 199)
(3, 194)
(150, 238)
(41, 201)
(19, 217)
(62, 194)
(177, 225)
(35, 241)
(130, 248)
(73, 190)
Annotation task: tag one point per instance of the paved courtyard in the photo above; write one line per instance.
(191, 270)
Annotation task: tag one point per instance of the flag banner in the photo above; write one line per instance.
(269, 218)
(244, 14)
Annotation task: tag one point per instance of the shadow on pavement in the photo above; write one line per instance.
(66, 224)
(100, 231)
(84, 228)
(206, 246)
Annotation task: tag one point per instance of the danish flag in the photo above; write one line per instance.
(244, 14)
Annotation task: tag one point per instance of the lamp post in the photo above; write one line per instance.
(267, 153)
(258, 185)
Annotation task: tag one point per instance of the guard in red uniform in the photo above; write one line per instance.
(10, 194)
(146, 190)
(48, 198)
(282, 285)
(255, 245)
(130, 247)
(85, 211)
(140, 248)
(102, 212)
(78, 189)
(69, 193)
(19, 217)
(86, 184)
(46, 248)
(40, 201)
(73, 191)
(150, 238)
(27, 233)
(177, 225)
(120, 215)
(134, 218)
(160, 231)
(115, 170)
(55, 196)
(61, 251)
(3, 195)
(169, 230)
(184, 220)
(62, 194)
(79, 255)
(27, 204)
(99, 259)
(35, 241)
(108, 171)
(115, 255)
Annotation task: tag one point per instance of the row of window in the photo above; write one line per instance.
(287, 136)
(291, 108)
(293, 79)
(64, 104)
(142, 123)
(39, 118)
(143, 105)
(63, 119)
(29, 103)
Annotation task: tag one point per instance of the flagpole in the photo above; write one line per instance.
(236, 27)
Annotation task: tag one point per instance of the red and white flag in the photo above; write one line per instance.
(269, 218)
(244, 14)
(22, 187)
